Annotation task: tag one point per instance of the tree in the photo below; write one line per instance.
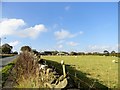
(35, 51)
(81, 53)
(15, 52)
(97, 53)
(106, 53)
(89, 53)
(54, 52)
(73, 53)
(113, 53)
(25, 48)
(6, 48)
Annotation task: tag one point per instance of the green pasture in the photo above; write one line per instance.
(99, 68)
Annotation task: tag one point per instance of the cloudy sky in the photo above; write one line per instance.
(60, 26)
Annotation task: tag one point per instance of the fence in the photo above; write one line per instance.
(79, 83)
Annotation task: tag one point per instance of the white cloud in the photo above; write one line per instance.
(67, 8)
(72, 43)
(15, 27)
(63, 34)
(14, 43)
(10, 26)
(33, 31)
(98, 48)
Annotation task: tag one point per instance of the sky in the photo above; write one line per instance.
(62, 26)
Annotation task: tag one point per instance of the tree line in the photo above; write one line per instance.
(7, 49)
(105, 52)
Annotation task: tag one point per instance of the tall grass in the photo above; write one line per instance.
(26, 72)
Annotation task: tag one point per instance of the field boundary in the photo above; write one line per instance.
(81, 83)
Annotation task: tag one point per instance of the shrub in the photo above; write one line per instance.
(25, 48)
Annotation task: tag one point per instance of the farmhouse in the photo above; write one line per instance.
(62, 53)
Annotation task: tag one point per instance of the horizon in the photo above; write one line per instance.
(80, 27)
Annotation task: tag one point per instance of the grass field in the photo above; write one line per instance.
(100, 68)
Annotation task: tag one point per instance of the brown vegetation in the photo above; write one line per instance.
(26, 73)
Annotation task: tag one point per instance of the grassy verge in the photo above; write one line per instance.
(6, 70)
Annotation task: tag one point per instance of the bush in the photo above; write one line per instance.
(15, 52)
(25, 48)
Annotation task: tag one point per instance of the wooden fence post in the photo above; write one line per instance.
(63, 65)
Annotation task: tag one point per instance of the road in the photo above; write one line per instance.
(5, 61)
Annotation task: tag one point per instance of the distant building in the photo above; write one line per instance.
(62, 53)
